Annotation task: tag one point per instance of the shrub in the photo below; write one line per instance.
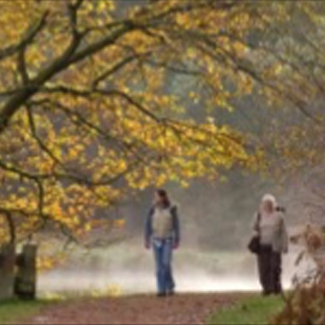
(306, 304)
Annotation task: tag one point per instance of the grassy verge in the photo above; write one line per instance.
(13, 311)
(256, 311)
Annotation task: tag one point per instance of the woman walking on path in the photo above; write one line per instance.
(162, 232)
(270, 226)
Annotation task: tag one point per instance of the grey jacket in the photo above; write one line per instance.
(272, 231)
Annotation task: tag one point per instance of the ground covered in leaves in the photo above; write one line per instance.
(181, 309)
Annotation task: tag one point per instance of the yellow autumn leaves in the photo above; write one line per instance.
(116, 121)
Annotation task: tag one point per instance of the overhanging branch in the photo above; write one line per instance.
(26, 40)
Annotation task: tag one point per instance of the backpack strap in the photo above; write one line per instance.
(258, 222)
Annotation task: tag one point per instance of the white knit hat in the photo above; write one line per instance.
(270, 198)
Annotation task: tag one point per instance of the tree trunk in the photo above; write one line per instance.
(25, 284)
(7, 269)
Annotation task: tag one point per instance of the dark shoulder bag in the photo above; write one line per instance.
(254, 245)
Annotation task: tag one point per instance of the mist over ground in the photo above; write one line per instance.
(216, 227)
(130, 269)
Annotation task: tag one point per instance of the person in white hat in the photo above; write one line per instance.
(270, 225)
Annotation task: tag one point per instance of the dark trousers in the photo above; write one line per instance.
(270, 270)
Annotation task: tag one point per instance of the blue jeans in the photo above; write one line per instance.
(163, 249)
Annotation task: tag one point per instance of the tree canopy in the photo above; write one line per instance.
(89, 107)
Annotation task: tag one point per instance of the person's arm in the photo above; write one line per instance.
(148, 228)
(284, 236)
(255, 224)
(176, 227)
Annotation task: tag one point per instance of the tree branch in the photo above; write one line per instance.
(68, 58)
(73, 16)
(116, 68)
(11, 225)
(102, 92)
(21, 65)
(40, 142)
(27, 39)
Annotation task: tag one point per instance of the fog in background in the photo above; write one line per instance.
(216, 219)
(216, 226)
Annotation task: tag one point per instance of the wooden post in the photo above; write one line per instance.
(7, 269)
(25, 285)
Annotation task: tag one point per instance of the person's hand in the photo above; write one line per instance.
(176, 246)
(147, 245)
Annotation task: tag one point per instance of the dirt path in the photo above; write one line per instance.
(182, 309)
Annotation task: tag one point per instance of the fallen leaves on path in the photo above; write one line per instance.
(181, 309)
